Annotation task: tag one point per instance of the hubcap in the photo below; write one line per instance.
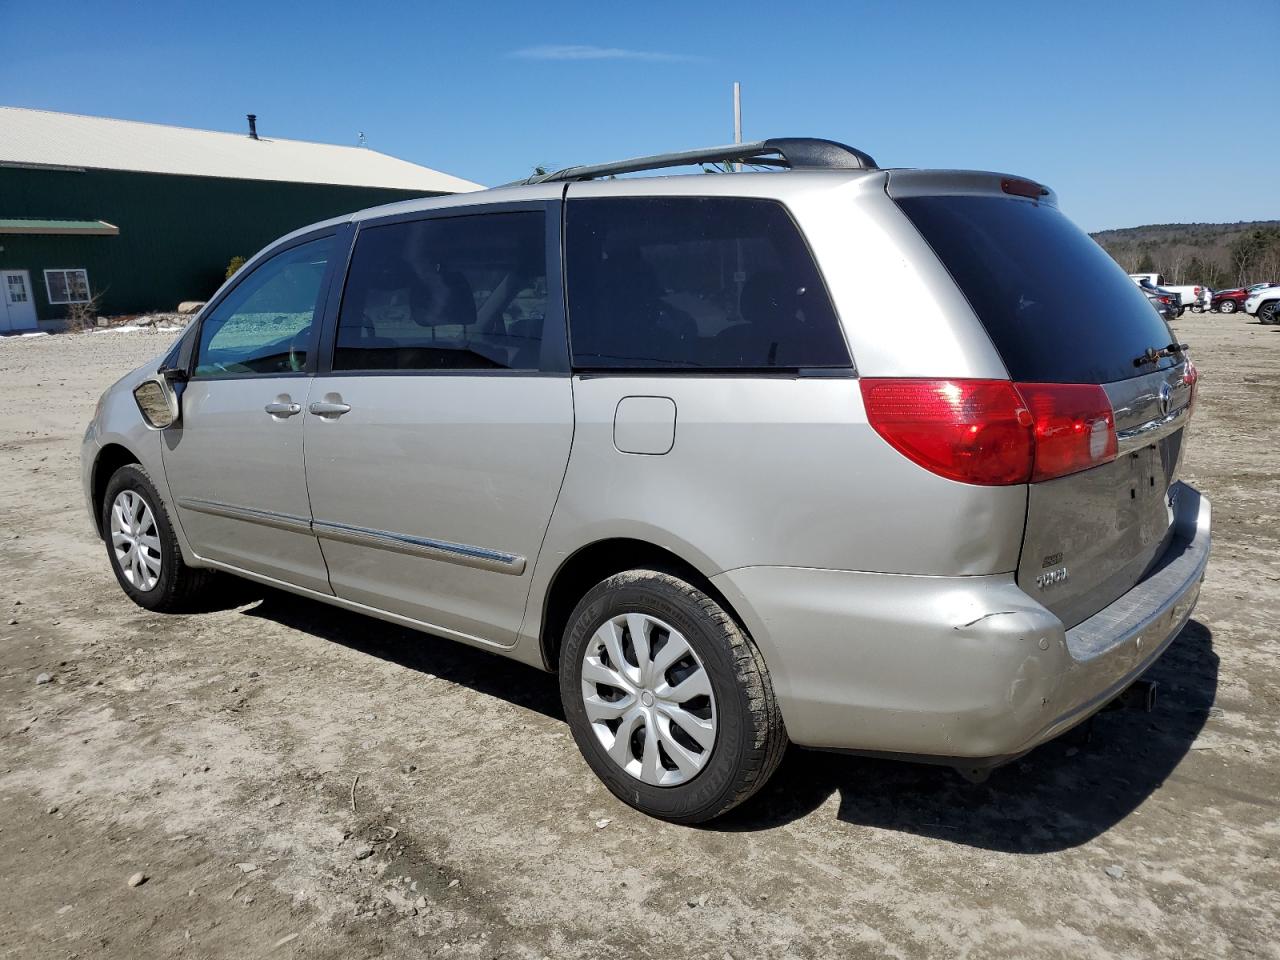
(135, 540)
(649, 699)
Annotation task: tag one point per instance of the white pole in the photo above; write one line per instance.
(737, 118)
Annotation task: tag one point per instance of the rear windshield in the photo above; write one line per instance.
(1057, 307)
(695, 282)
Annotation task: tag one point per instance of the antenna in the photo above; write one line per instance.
(737, 119)
(361, 139)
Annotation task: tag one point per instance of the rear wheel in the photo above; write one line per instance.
(1228, 306)
(142, 547)
(668, 700)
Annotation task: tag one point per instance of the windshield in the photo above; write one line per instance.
(1056, 306)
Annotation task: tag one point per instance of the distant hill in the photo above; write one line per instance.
(1217, 254)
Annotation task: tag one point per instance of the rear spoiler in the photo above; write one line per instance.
(963, 183)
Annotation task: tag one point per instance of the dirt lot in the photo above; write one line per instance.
(216, 755)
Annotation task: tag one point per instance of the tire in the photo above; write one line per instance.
(747, 737)
(1197, 309)
(141, 546)
(1228, 306)
(1267, 312)
(1179, 312)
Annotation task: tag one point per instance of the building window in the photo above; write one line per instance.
(17, 287)
(67, 286)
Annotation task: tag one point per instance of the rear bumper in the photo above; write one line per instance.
(956, 668)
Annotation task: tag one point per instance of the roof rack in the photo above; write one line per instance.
(792, 153)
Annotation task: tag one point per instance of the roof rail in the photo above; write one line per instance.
(793, 153)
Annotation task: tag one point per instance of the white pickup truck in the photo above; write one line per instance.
(1195, 295)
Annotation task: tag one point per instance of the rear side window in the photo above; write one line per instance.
(690, 282)
(452, 293)
(1055, 304)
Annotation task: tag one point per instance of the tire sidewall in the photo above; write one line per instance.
(133, 477)
(656, 595)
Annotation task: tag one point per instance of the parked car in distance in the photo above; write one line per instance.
(1188, 295)
(1164, 305)
(1228, 301)
(650, 434)
(1165, 301)
(1263, 304)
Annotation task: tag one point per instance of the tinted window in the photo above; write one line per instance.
(708, 283)
(456, 293)
(1057, 307)
(264, 324)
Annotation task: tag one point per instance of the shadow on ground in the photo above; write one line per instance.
(1061, 795)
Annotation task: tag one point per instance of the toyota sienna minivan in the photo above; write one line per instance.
(822, 453)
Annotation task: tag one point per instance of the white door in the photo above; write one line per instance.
(19, 306)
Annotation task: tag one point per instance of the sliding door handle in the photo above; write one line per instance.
(329, 409)
(282, 408)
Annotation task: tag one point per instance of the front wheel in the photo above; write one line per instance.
(1267, 313)
(142, 547)
(668, 700)
(1228, 306)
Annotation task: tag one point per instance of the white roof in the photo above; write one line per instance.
(45, 138)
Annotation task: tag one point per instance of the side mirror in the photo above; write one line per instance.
(157, 401)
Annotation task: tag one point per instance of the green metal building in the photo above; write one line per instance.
(142, 216)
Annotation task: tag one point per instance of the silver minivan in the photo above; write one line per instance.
(858, 459)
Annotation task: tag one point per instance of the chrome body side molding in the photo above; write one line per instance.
(460, 553)
(267, 518)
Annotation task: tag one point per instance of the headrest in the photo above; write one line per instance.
(443, 300)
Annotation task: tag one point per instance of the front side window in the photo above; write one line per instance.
(451, 293)
(67, 286)
(714, 283)
(264, 325)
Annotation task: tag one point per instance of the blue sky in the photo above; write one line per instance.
(1134, 112)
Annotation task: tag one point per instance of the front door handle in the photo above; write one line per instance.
(283, 408)
(329, 408)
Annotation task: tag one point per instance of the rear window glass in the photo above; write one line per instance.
(691, 282)
(1055, 304)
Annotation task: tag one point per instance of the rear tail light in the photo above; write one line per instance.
(1191, 377)
(993, 432)
(1074, 425)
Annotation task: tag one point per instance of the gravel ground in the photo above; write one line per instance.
(216, 756)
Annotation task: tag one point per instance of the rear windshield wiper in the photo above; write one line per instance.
(1152, 354)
